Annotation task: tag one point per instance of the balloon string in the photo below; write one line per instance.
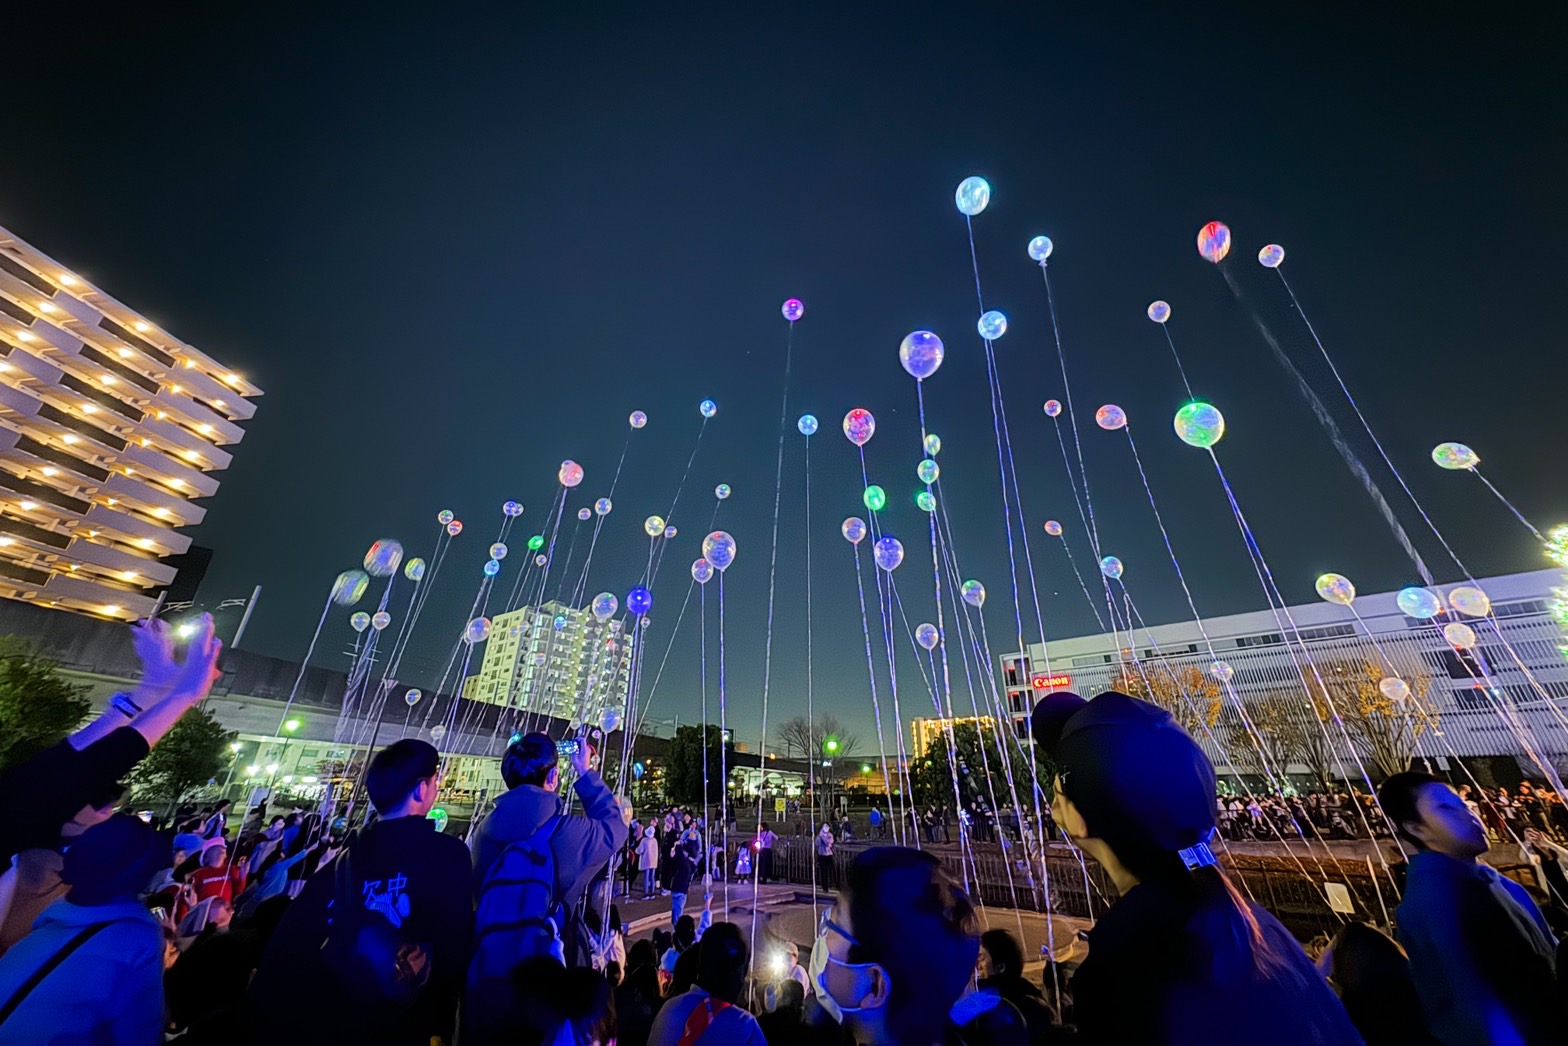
(1510, 506)
(1165, 329)
(811, 715)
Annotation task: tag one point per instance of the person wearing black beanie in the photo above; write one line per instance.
(1181, 956)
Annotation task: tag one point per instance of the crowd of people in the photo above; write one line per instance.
(1335, 814)
(298, 929)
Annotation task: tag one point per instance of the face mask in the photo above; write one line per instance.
(820, 960)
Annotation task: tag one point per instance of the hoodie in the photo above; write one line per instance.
(582, 844)
(109, 990)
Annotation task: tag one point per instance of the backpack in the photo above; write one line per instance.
(368, 942)
(518, 915)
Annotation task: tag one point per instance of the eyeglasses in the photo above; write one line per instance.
(827, 925)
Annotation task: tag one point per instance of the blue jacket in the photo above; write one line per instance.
(1481, 955)
(108, 991)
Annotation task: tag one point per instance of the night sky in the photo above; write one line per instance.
(457, 247)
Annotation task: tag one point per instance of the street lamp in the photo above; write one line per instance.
(234, 760)
(830, 745)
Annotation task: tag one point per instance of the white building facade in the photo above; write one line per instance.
(553, 660)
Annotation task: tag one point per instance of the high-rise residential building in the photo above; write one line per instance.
(554, 660)
(110, 430)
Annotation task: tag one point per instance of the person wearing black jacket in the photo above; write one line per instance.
(1001, 971)
(400, 890)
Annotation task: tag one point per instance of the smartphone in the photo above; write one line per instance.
(567, 748)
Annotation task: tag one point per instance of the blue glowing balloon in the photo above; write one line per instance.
(1111, 567)
(497, 551)
(888, 553)
(793, 309)
(718, 548)
(992, 325)
(933, 444)
(492, 567)
(1159, 311)
(584, 514)
(1110, 417)
(602, 506)
(1053, 528)
(859, 426)
(412, 698)
(701, 571)
(722, 491)
(1271, 256)
(349, 587)
(670, 531)
(707, 408)
(512, 509)
(1040, 248)
(445, 516)
(359, 621)
(639, 601)
(653, 526)
(1419, 603)
(927, 471)
(1214, 242)
(973, 593)
(454, 528)
(478, 631)
(610, 721)
(1053, 408)
(927, 635)
(807, 424)
(854, 530)
(921, 354)
(638, 419)
(973, 194)
(414, 569)
(560, 623)
(384, 557)
(380, 620)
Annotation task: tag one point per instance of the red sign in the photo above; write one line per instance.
(1051, 682)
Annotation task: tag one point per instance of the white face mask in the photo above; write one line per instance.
(820, 960)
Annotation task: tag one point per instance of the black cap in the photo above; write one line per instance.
(1140, 781)
(112, 861)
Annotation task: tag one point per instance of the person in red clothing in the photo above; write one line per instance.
(212, 878)
(239, 874)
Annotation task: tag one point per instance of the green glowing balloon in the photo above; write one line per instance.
(1199, 425)
(926, 500)
(536, 543)
(927, 471)
(875, 498)
(933, 444)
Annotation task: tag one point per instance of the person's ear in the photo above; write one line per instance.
(552, 780)
(881, 988)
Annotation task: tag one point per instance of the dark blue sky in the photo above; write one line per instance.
(459, 246)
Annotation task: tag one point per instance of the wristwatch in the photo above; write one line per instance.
(122, 703)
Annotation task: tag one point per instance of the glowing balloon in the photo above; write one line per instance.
(437, 732)
(1471, 602)
(1394, 688)
(973, 593)
(927, 471)
(359, 621)
(384, 557)
(1159, 311)
(492, 567)
(380, 620)
(541, 559)
(1419, 603)
(707, 408)
(478, 631)
(888, 553)
(927, 635)
(653, 526)
(638, 419)
(639, 601)
(1040, 248)
(858, 426)
(570, 473)
(1455, 456)
(807, 424)
(1053, 408)
(701, 571)
(973, 194)
(1459, 634)
(926, 500)
(793, 309)
(602, 506)
(1214, 242)
(454, 528)
(445, 516)
(559, 623)
(1271, 256)
(721, 491)
(1222, 671)
(921, 353)
(933, 444)
(991, 325)
(875, 498)
(536, 543)
(1053, 528)
(1110, 417)
(718, 548)
(610, 721)
(414, 569)
(512, 509)
(854, 530)
(1200, 425)
(349, 587)
(1111, 567)
(497, 551)
(584, 514)
(412, 698)
(1336, 588)
(670, 532)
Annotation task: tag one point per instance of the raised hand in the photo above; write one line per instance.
(200, 670)
(582, 759)
(154, 645)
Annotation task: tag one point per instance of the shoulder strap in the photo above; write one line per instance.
(701, 1016)
(47, 968)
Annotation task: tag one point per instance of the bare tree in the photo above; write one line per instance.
(820, 740)
(1186, 693)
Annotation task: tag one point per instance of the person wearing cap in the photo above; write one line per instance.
(92, 969)
(1180, 948)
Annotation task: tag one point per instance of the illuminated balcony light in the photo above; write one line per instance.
(144, 542)
(189, 363)
(175, 388)
(108, 379)
(111, 502)
(128, 575)
(190, 455)
(92, 533)
(162, 414)
(72, 567)
(28, 506)
(161, 513)
(142, 327)
(126, 354)
(68, 439)
(146, 442)
(176, 483)
(24, 336)
(88, 408)
(7, 542)
(232, 379)
(45, 307)
(219, 403)
(67, 280)
(50, 470)
(204, 428)
(130, 471)
(111, 610)
(5, 368)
